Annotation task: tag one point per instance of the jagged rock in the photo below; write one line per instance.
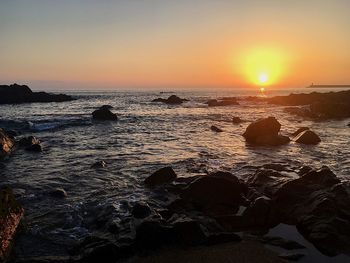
(215, 129)
(307, 137)
(23, 94)
(7, 144)
(162, 176)
(173, 99)
(10, 215)
(103, 113)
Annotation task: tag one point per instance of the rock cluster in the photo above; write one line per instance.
(173, 99)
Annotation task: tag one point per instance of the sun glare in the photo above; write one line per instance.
(263, 78)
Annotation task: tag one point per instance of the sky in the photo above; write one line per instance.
(105, 44)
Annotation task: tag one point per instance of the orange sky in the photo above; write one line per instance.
(105, 44)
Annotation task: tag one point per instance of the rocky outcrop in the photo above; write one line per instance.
(13, 94)
(104, 114)
(265, 132)
(173, 99)
(10, 215)
(307, 137)
(7, 144)
(162, 176)
(222, 102)
(215, 129)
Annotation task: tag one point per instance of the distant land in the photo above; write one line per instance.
(328, 86)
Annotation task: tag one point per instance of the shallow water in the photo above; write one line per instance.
(146, 137)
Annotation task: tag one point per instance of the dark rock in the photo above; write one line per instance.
(11, 133)
(106, 107)
(236, 120)
(173, 99)
(162, 176)
(7, 145)
(223, 102)
(141, 210)
(10, 215)
(299, 111)
(265, 132)
(188, 232)
(291, 256)
(305, 169)
(300, 130)
(28, 141)
(307, 137)
(281, 242)
(152, 234)
(104, 114)
(34, 148)
(58, 193)
(330, 110)
(99, 164)
(215, 129)
(22, 94)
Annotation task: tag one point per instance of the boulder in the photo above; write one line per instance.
(10, 216)
(307, 137)
(215, 129)
(162, 176)
(173, 99)
(300, 130)
(103, 113)
(13, 94)
(7, 144)
(265, 132)
(34, 148)
(141, 210)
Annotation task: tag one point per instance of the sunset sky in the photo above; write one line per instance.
(133, 43)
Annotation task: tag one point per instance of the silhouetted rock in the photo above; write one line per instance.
(99, 164)
(173, 99)
(107, 107)
(34, 148)
(153, 233)
(188, 232)
(7, 144)
(58, 193)
(236, 120)
(23, 94)
(307, 137)
(265, 132)
(330, 109)
(215, 129)
(104, 114)
(223, 102)
(10, 215)
(162, 176)
(300, 130)
(28, 141)
(141, 210)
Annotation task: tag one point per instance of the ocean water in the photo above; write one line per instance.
(146, 137)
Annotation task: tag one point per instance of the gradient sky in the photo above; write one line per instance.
(148, 43)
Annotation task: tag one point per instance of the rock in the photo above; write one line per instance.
(223, 102)
(215, 129)
(15, 93)
(330, 110)
(188, 232)
(106, 107)
(299, 111)
(58, 193)
(11, 133)
(103, 113)
(291, 256)
(141, 210)
(307, 137)
(7, 145)
(265, 132)
(34, 148)
(281, 242)
(99, 164)
(28, 141)
(11, 214)
(173, 99)
(300, 130)
(216, 194)
(222, 237)
(152, 234)
(236, 120)
(162, 176)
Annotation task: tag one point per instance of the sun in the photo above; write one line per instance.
(263, 78)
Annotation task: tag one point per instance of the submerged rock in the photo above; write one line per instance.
(307, 137)
(236, 120)
(215, 129)
(10, 216)
(162, 176)
(173, 99)
(58, 193)
(103, 113)
(10, 94)
(99, 164)
(7, 144)
(265, 132)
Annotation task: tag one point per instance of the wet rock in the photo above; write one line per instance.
(99, 164)
(11, 94)
(162, 176)
(215, 193)
(265, 132)
(305, 169)
(103, 113)
(236, 120)
(291, 256)
(34, 148)
(153, 233)
(281, 242)
(58, 193)
(300, 130)
(106, 107)
(330, 110)
(223, 102)
(141, 210)
(215, 129)
(307, 137)
(10, 215)
(173, 99)
(7, 145)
